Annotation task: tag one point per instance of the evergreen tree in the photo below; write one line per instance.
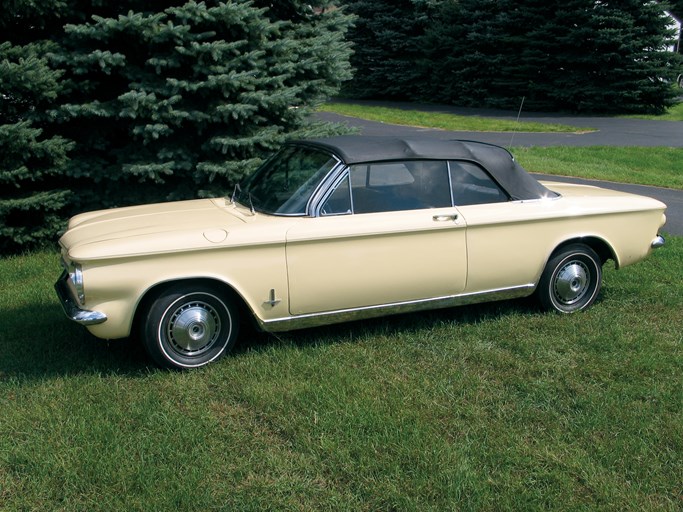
(461, 53)
(33, 198)
(144, 100)
(185, 101)
(572, 55)
(527, 54)
(675, 7)
(386, 48)
(614, 58)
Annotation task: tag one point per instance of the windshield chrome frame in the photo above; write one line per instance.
(324, 184)
(327, 187)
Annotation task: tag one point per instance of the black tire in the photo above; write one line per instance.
(571, 280)
(189, 326)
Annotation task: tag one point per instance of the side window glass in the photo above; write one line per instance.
(397, 186)
(472, 185)
(339, 202)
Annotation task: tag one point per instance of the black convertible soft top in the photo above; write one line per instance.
(501, 165)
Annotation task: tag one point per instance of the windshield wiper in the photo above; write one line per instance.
(236, 195)
(234, 192)
(251, 204)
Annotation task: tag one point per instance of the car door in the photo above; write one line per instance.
(508, 241)
(387, 234)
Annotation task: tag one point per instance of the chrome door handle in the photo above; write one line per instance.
(444, 218)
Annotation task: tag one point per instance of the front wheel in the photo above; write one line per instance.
(189, 326)
(571, 280)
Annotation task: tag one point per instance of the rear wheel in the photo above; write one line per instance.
(571, 280)
(189, 326)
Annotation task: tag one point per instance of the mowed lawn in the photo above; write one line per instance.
(492, 407)
(658, 166)
(444, 121)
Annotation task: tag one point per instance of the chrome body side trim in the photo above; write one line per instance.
(71, 308)
(658, 242)
(348, 315)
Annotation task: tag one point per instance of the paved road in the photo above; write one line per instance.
(612, 132)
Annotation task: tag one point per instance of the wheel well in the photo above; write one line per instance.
(151, 294)
(600, 246)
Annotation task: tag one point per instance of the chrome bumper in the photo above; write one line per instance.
(658, 242)
(71, 308)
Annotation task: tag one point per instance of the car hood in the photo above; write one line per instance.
(150, 229)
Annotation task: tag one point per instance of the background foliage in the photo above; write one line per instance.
(114, 103)
(386, 37)
(569, 55)
(106, 104)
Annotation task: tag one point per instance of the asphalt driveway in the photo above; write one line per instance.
(611, 132)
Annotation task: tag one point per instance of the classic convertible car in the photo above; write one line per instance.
(349, 227)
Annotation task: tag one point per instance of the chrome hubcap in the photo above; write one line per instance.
(193, 328)
(572, 282)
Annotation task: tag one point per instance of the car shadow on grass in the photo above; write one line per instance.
(393, 325)
(39, 343)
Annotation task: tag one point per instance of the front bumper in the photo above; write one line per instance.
(657, 242)
(71, 308)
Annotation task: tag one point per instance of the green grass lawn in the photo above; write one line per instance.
(476, 408)
(660, 167)
(674, 113)
(443, 121)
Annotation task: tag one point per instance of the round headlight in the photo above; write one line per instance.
(76, 276)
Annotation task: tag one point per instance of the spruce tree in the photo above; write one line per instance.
(461, 53)
(615, 58)
(120, 103)
(386, 37)
(675, 8)
(33, 198)
(186, 101)
(569, 55)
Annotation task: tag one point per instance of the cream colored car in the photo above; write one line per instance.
(349, 227)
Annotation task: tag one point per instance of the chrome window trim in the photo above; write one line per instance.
(324, 188)
(539, 200)
(326, 194)
(450, 182)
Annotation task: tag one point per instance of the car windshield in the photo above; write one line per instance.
(284, 184)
